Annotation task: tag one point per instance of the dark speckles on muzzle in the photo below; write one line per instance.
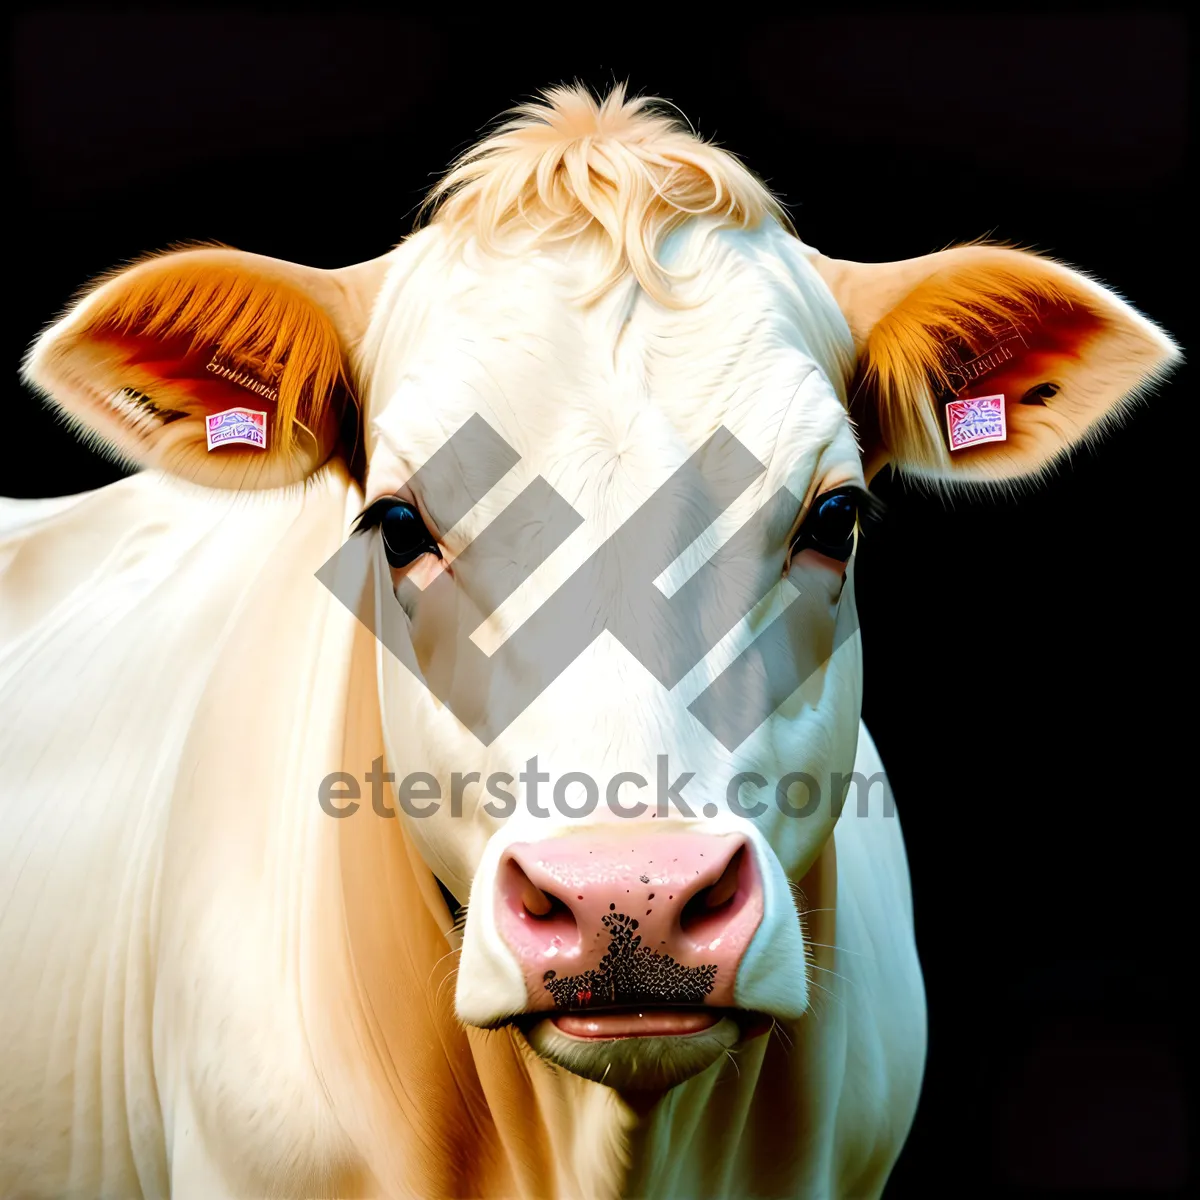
(630, 973)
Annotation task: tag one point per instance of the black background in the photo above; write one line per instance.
(1026, 677)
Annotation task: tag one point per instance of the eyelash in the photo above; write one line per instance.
(375, 515)
(868, 511)
(870, 507)
(372, 516)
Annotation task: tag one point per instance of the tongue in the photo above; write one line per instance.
(651, 1023)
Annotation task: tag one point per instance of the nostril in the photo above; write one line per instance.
(536, 902)
(528, 902)
(711, 906)
(547, 908)
(723, 891)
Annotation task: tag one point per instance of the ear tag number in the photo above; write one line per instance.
(976, 421)
(237, 426)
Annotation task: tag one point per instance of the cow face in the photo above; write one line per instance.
(617, 425)
(540, 658)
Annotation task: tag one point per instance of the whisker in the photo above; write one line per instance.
(434, 968)
(842, 950)
(833, 996)
(448, 954)
(449, 979)
(843, 978)
(784, 1036)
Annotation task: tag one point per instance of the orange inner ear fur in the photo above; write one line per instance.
(172, 317)
(1046, 346)
(184, 369)
(1054, 332)
(908, 364)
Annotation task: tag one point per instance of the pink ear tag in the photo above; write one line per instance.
(975, 421)
(237, 426)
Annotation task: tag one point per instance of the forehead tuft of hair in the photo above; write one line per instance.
(626, 171)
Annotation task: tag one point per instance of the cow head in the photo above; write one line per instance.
(615, 426)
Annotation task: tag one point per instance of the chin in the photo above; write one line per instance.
(639, 1050)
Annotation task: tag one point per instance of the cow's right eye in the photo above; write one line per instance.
(405, 538)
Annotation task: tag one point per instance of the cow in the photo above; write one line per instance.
(308, 889)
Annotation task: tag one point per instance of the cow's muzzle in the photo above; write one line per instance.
(604, 925)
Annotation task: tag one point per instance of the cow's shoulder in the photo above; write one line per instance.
(122, 611)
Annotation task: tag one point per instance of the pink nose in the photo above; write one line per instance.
(599, 919)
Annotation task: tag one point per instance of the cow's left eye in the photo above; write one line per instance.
(405, 538)
(829, 526)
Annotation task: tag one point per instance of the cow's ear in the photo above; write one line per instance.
(226, 368)
(977, 322)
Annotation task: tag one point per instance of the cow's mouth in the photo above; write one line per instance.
(636, 1022)
(640, 1049)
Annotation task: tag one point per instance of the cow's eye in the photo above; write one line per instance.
(829, 526)
(405, 538)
